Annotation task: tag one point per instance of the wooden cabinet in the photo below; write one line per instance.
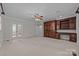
(73, 37)
(57, 35)
(64, 24)
(70, 36)
(46, 33)
(50, 29)
(58, 24)
(68, 23)
(49, 26)
(72, 23)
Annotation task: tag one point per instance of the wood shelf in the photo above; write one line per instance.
(68, 23)
(51, 27)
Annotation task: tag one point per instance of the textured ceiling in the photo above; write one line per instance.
(48, 10)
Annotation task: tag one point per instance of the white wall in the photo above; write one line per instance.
(28, 26)
(77, 28)
(77, 31)
(39, 29)
(0, 34)
(1, 31)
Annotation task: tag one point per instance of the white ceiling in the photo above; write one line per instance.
(48, 10)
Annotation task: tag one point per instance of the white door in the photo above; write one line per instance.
(17, 31)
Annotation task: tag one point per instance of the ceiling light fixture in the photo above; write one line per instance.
(38, 17)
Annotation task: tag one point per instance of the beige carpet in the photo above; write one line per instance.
(37, 46)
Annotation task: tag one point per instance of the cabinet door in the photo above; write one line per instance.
(47, 26)
(50, 29)
(53, 26)
(72, 23)
(68, 23)
(57, 35)
(52, 34)
(73, 37)
(65, 24)
(58, 24)
(46, 33)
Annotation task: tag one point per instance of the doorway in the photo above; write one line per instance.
(17, 31)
